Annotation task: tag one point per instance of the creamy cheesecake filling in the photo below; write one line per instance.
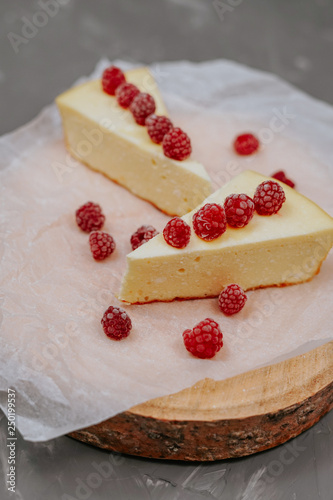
(281, 249)
(169, 185)
(195, 275)
(105, 137)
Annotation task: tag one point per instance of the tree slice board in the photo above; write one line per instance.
(214, 420)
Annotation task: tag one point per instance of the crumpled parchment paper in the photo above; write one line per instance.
(66, 372)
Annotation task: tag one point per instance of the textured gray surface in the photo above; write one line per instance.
(291, 39)
(66, 469)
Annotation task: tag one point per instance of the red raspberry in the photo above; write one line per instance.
(176, 144)
(142, 106)
(111, 79)
(157, 127)
(246, 144)
(89, 217)
(268, 198)
(232, 299)
(210, 221)
(125, 94)
(116, 323)
(205, 340)
(142, 235)
(101, 245)
(177, 233)
(239, 209)
(281, 176)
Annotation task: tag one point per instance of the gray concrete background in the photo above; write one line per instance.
(293, 39)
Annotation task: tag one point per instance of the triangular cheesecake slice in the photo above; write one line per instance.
(281, 249)
(104, 136)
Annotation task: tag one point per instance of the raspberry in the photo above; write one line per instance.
(239, 209)
(101, 245)
(142, 235)
(125, 94)
(142, 106)
(157, 127)
(246, 144)
(116, 323)
(111, 79)
(177, 233)
(232, 299)
(205, 340)
(176, 144)
(268, 198)
(89, 217)
(281, 176)
(209, 222)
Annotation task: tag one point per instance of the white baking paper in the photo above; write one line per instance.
(66, 372)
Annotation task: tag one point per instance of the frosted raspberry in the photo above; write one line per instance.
(101, 245)
(205, 340)
(157, 127)
(125, 94)
(142, 106)
(142, 235)
(210, 221)
(281, 176)
(176, 144)
(268, 198)
(89, 217)
(246, 144)
(239, 209)
(116, 323)
(177, 233)
(232, 299)
(111, 79)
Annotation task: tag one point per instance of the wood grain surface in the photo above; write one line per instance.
(214, 420)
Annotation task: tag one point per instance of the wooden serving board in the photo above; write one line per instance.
(214, 420)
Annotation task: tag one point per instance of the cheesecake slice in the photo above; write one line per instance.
(104, 136)
(277, 250)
